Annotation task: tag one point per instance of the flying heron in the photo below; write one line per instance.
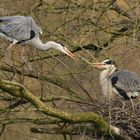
(23, 29)
(122, 82)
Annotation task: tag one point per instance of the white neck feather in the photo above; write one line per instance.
(104, 82)
(36, 42)
(106, 73)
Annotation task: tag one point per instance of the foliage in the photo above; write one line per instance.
(48, 93)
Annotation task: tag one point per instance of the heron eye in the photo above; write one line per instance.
(61, 44)
(109, 62)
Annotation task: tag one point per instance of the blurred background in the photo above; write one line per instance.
(93, 30)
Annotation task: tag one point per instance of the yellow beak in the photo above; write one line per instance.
(67, 52)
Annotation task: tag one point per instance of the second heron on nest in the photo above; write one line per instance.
(122, 82)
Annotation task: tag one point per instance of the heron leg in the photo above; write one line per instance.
(123, 105)
(8, 52)
(132, 104)
(25, 60)
(14, 42)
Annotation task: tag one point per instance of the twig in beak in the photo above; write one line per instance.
(69, 53)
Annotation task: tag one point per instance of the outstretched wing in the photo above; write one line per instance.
(126, 83)
(20, 28)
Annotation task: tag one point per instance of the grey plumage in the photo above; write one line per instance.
(122, 82)
(23, 29)
(126, 83)
(18, 28)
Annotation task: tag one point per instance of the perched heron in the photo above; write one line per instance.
(23, 29)
(122, 82)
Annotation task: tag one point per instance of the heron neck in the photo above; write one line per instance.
(106, 73)
(106, 86)
(36, 42)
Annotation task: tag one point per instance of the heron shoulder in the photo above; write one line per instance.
(125, 80)
(125, 74)
(21, 28)
(126, 83)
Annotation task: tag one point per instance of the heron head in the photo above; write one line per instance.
(61, 48)
(106, 64)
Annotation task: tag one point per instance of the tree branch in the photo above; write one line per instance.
(18, 90)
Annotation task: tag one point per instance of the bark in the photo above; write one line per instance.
(101, 126)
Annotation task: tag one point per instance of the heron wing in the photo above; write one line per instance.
(20, 28)
(126, 81)
(8, 19)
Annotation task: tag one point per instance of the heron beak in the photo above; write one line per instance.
(98, 65)
(67, 52)
(41, 32)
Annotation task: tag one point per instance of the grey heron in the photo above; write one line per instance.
(23, 29)
(122, 82)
